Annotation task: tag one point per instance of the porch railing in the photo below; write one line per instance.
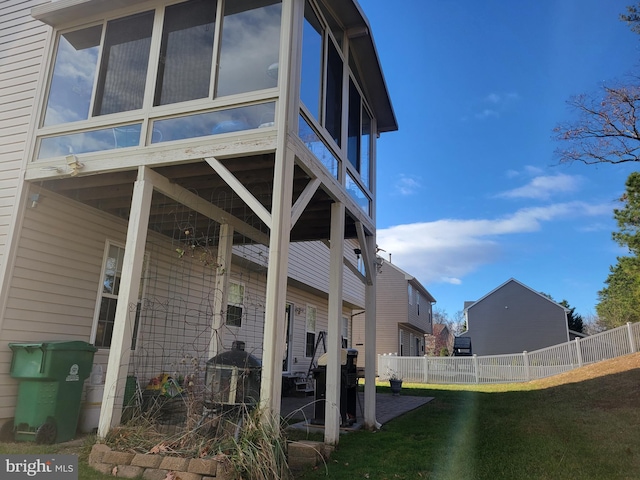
(519, 367)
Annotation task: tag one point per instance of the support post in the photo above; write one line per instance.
(476, 369)
(120, 350)
(371, 363)
(527, 372)
(225, 246)
(334, 347)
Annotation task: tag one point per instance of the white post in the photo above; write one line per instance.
(118, 364)
(371, 362)
(221, 288)
(475, 367)
(527, 373)
(332, 407)
(632, 340)
(578, 351)
(426, 369)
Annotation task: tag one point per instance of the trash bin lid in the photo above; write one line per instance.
(73, 345)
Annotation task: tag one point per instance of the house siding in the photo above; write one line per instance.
(513, 319)
(392, 306)
(22, 43)
(56, 282)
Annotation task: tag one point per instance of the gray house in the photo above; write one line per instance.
(513, 318)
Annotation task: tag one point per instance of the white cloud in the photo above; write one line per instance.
(543, 187)
(407, 185)
(444, 251)
(494, 104)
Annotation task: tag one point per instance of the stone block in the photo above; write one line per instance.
(188, 476)
(118, 458)
(154, 474)
(97, 452)
(176, 464)
(305, 449)
(147, 461)
(203, 466)
(226, 471)
(104, 468)
(129, 471)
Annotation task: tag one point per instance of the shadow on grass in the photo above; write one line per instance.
(584, 430)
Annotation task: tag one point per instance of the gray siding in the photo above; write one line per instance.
(513, 319)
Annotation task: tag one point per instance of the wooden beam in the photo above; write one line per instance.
(248, 198)
(303, 200)
(200, 205)
(334, 344)
(120, 349)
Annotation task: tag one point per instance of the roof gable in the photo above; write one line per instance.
(513, 280)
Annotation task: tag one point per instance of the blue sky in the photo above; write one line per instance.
(470, 193)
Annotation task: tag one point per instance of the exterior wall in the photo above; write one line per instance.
(391, 307)
(22, 42)
(419, 312)
(55, 287)
(513, 319)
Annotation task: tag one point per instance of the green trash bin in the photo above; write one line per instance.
(51, 376)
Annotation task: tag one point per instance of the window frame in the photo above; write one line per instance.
(148, 113)
(235, 305)
(101, 294)
(310, 346)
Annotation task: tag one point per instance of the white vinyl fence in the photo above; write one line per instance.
(518, 367)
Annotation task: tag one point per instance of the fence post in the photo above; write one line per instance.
(632, 341)
(426, 369)
(475, 367)
(579, 351)
(527, 373)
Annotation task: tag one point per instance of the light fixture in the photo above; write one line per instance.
(358, 252)
(73, 164)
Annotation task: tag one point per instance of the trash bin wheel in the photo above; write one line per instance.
(7, 431)
(47, 432)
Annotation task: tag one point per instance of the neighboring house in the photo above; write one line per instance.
(403, 314)
(441, 339)
(172, 183)
(514, 318)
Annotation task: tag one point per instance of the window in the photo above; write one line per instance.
(235, 302)
(186, 52)
(125, 59)
(73, 76)
(103, 69)
(333, 105)
(311, 331)
(249, 47)
(106, 314)
(410, 293)
(311, 82)
(345, 332)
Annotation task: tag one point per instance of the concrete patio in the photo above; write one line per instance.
(388, 407)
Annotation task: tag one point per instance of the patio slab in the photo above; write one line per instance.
(388, 407)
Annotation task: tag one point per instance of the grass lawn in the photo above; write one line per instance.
(582, 425)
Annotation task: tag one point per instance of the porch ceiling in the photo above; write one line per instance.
(112, 192)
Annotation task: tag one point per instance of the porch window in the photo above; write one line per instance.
(125, 59)
(249, 47)
(312, 313)
(311, 82)
(106, 314)
(186, 52)
(235, 303)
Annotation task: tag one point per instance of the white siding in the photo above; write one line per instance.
(22, 41)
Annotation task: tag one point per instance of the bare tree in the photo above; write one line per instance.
(606, 127)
